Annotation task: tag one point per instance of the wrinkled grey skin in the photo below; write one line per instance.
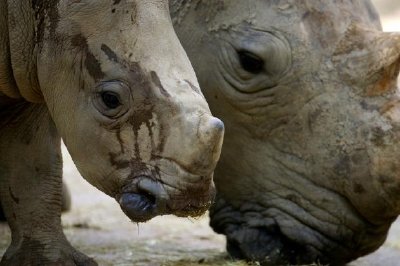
(310, 169)
(111, 79)
(65, 202)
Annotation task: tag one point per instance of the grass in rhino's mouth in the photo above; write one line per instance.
(221, 260)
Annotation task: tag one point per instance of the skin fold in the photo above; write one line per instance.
(307, 90)
(111, 79)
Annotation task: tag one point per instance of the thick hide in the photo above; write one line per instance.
(309, 170)
(111, 79)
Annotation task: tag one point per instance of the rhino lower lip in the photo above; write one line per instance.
(137, 207)
(143, 199)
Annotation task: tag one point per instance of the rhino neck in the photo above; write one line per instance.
(18, 70)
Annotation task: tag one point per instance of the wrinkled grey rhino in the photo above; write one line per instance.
(110, 78)
(310, 166)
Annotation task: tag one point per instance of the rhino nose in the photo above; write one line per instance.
(369, 58)
(383, 63)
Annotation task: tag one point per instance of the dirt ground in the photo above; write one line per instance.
(97, 226)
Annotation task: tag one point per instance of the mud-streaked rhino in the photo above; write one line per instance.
(310, 166)
(110, 78)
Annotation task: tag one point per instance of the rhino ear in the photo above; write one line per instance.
(22, 47)
(178, 10)
(7, 82)
(363, 52)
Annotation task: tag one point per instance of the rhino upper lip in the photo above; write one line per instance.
(132, 184)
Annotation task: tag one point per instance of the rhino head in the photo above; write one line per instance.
(310, 169)
(123, 96)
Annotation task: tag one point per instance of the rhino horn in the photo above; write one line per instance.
(371, 54)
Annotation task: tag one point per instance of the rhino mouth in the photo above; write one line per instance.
(143, 200)
(257, 239)
(272, 237)
(269, 246)
(145, 197)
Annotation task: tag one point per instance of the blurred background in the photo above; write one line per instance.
(97, 226)
(390, 13)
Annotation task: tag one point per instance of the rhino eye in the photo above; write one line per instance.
(110, 99)
(251, 62)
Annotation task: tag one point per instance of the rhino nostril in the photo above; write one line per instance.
(150, 198)
(155, 192)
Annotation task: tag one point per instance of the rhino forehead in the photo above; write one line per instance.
(220, 14)
(92, 64)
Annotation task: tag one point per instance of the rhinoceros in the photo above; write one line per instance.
(111, 79)
(310, 169)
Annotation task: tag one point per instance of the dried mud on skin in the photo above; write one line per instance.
(97, 226)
